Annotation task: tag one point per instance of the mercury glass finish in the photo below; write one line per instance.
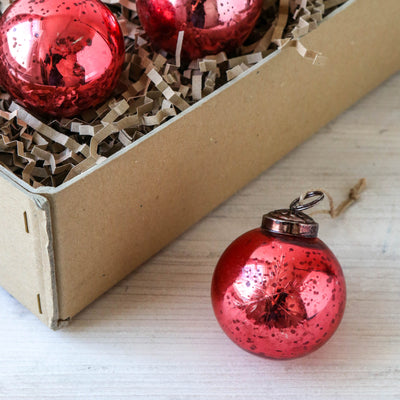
(60, 57)
(278, 296)
(209, 26)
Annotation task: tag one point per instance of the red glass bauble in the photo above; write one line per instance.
(209, 26)
(60, 57)
(279, 294)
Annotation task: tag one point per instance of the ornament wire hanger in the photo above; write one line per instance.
(299, 204)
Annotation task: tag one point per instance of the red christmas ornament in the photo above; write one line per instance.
(60, 57)
(209, 26)
(278, 291)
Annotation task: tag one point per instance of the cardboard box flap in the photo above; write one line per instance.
(27, 262)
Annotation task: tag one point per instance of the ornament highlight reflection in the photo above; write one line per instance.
(60, 57)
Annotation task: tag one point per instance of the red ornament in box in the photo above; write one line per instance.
(60, 57)
(209, 26)
(278, 291)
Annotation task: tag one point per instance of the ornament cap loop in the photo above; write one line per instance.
(299, 205)
(293, 221)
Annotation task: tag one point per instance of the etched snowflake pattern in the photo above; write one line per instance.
(269, 295)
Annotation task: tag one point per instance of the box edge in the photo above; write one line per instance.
(40, 210)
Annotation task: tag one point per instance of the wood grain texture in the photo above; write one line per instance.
(154, 336)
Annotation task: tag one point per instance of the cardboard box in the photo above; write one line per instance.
(63, 247)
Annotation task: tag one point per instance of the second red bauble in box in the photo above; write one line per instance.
(209, 26)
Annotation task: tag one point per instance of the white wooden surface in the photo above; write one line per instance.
(154, 335)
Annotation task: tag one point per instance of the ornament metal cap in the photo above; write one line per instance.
(293, 221)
